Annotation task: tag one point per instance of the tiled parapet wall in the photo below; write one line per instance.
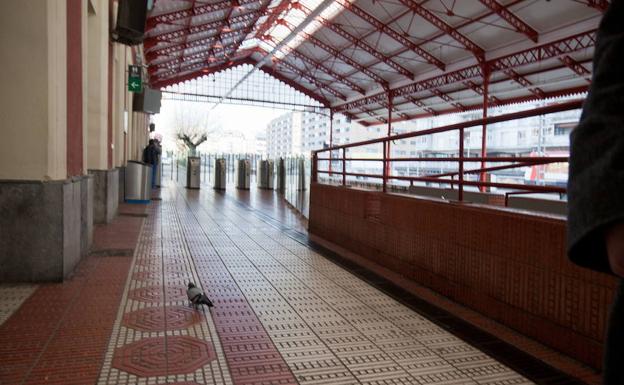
(508, 265)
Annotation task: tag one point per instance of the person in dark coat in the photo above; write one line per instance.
(151, 155)
(596, 182)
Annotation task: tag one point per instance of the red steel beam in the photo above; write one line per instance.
(209, 51)
(575, 66)
(443, 26)
(272, 72)
(447, 98)
(422, 105)
(248, 29)
(360, 43)
(392, 108)
(272, 17)
(524, 82)
(511, 18)
(545, 51)
(492, 100)
(532, 55)
(423, 85)
(170, 58)
(186, 37)
(383, 27)
(171, 17)
(479, 106)
(225, 22)
(249, 60)
(311, 79)
(148, 45)
(175, 48)
(370, 50)
(199, 57)
(315, 64)
(337, 54)
(193, 29)
(438, 35)
(198, 65)
(165, 82)
(380, 119)
(479, 90)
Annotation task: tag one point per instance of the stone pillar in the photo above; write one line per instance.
(121, 110)
(41, 152)
(100, 98)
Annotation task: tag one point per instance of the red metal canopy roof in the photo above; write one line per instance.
(419, 57)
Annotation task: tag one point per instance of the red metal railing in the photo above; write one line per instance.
(449, 178)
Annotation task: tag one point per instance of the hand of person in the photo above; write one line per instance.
(614, 238)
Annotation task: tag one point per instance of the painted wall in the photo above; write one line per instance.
(33, 99)
(97, 85)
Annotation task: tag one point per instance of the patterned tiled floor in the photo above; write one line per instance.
(60, 332)
(283, 314)
(11, 298)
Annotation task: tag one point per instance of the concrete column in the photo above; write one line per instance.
(120, 102)
(97, 70)
(34, 88)
(105, 177)
(40, 198)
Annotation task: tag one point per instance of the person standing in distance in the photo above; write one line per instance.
(151, 155)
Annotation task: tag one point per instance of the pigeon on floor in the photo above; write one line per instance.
(196, 297)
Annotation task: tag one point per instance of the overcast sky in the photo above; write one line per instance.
(248, 120)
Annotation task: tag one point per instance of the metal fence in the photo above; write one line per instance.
(337, 166)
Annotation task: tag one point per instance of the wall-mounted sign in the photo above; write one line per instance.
(134, 79)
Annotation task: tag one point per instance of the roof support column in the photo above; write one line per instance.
(486, 85)
(386, 149)
(331, 137)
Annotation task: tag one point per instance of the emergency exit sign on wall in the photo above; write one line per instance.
(134, 79)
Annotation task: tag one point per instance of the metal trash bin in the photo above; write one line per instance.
(266, 171)
(281, 175)
(220, 174)
(193, 172)
(138, 182)
(243, 176)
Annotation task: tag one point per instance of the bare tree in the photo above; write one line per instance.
(193, 126)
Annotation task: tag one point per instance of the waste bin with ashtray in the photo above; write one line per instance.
(138, 182)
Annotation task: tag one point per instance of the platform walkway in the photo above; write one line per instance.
(284, 313)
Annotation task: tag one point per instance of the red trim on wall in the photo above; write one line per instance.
(74, 88)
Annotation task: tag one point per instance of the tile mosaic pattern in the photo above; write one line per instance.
(283, 313)
(11, 298)
(157, 338)
(60, 333)
(330, 326)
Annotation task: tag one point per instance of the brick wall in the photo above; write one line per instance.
(507, 265)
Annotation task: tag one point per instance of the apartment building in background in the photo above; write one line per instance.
(299, 133)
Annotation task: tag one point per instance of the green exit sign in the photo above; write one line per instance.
(134, 79)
